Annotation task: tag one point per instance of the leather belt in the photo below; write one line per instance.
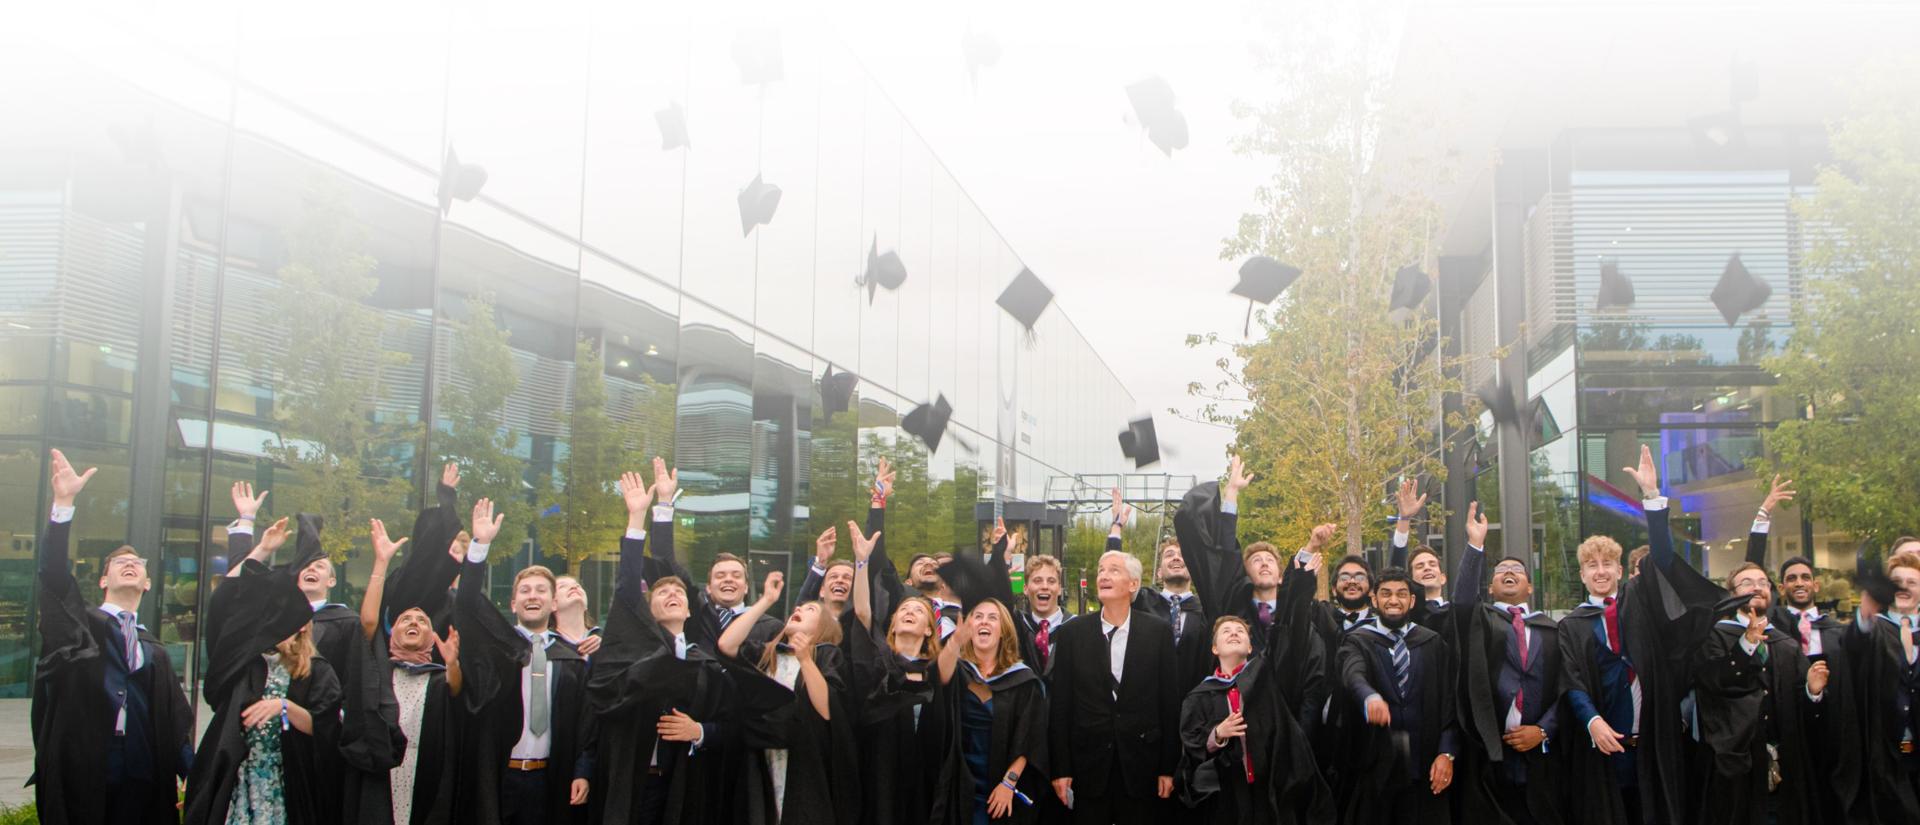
(1630, 741)
(527, 764)
(1907, 746)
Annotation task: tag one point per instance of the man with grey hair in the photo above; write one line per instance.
(1115, 705)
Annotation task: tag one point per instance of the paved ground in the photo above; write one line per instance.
(16, 750)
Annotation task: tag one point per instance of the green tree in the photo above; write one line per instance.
(1333, 398)
(347, 462)
(1851, 355)
(477, 437)
(582, 513)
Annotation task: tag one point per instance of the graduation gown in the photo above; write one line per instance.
(636, 678)
(492, 654)
(1481, 634)
(1287, 786)
(425, 574)
(1887, 682)
(1746, 702)
(1019, 708)
(372, 742)
(1666, 611)
(1391, 766)
(71, 713)
(900, 731)
(1192, 638)
(822, 783)
(246, 616)
(1593, 789)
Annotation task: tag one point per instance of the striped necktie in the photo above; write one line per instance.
(1402, 662)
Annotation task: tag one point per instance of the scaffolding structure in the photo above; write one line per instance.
(1153, 496)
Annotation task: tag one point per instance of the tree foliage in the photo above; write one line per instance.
(1854, 345)
(1331, 399)
(581, 510)
(473, 403)
(347, 460)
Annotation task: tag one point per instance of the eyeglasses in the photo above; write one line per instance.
(124, 561)
(1351, 577)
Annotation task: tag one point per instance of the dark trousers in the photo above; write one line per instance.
(523, 797)
(129, 799)
(1512, 799)
(653, 797)
(1115, 807)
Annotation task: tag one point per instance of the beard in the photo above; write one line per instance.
(1176, 579)
(927, 586)
(1393, 622)
(1354, 604)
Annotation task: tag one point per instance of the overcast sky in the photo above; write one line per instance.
(1129, 238)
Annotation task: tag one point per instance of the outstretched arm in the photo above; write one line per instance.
(629, 582)
(1659, 535)
(383, 550)
(737, 630)
(1122, 513)
(1411, 502)
(62, 613)
(1467, 588)
(1781, 492)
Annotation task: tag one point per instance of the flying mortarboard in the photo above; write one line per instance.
(1153, 104)
(673, 126)
(1262, 279)
(928, 422)
(1140, 443)
(883, 270)
(836, 390)
(1025, 298)
(1738, 292)
(1616, 290)
(1499, 400)
(757, 204)
(458, 181)
(1410, 287)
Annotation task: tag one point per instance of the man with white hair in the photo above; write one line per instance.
(1115, 705)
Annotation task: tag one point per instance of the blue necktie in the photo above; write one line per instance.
(130, 640)
(1401, 661)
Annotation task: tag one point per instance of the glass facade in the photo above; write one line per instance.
(221, 259)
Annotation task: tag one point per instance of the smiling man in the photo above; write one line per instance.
(1424, 564)
(1115, 705)
(1884, 632)
(1400, 678)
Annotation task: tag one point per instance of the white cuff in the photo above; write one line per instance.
(240, 527)
(1300, 557)
(1213, 740)
(697, 740)
(815, 567)
(1229, 506)
(60, 515)
(636, 535)
(1476, 548)
(1747, 646)
(1654, 503)
(1814, 697)
(1761, 527)
(1400, 537)
(476, 552)
(663, 512)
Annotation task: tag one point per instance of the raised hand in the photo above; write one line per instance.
(458, 547)
(244, 501)
(1817, 678)
(635, 491)
(450, 475)
(801, 641)
(770, 589)
(1756, 627)
(882, 481)
(384, 548)
(271, 539)
(1645, 475)
(862, 543)
(665, 482)
(1322, 536)
(1237, 479)
(1782, 492)
(999, 530)
(66, 483)
(449, 646)
(486, 524)
(823, 546)
(1122, 511)
(1476, 526)
(1410, 499)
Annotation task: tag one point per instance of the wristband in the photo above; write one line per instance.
(860, 564)
(284, 724)
(249, 517)
(1006, 784)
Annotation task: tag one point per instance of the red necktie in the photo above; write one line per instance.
(1040, 641)
(1612, 618)
(1806, 633)
(1520, 637)
(1233, 706)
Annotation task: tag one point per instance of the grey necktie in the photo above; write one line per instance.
(537, 711)
(130, 640)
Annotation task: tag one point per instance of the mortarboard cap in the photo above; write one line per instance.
(757, 204)
(1410, 287)
(1140, 443)
(458, 181)
(1738, 291)
(757, 53)
(1499, 400)
(928, 422)
(883, 270)
(1262, 279)
(673, 126)
(1616, 290)
(1025, 298)
(1153, 104)
(1718, 134)
(836, 390)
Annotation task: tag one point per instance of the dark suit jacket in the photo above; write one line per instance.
(1092, 731)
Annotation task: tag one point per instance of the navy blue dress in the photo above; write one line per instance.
(976, 739)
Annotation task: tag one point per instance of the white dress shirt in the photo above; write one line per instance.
(532, 745)
(1117, 647)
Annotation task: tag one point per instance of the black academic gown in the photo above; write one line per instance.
(1192, 640)
(1019, 729)
(492, 654)
(1390, 781)
(248, 615)
(1744, 703)
(1593, 790)
(822, 784)
(426, 571)
(1287, 787)
(1667, 611)
(372, 742)
(900, 731)
(71, 714)
(1481, 634)
(1887, 681)
(636, 678)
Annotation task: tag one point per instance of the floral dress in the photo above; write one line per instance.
(259, 797)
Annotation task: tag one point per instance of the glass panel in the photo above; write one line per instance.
(79, 415)
(634, 187)
(21, 517)
(714, 438)
(20, 409)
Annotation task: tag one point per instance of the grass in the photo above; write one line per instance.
(18, 815)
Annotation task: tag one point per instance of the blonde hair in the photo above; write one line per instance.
(1601, 547)
(930, 646)
(296, 652)
(1007, 653)
(1035, 563)
(828, 633)
(1259, 547)
(541, 571)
